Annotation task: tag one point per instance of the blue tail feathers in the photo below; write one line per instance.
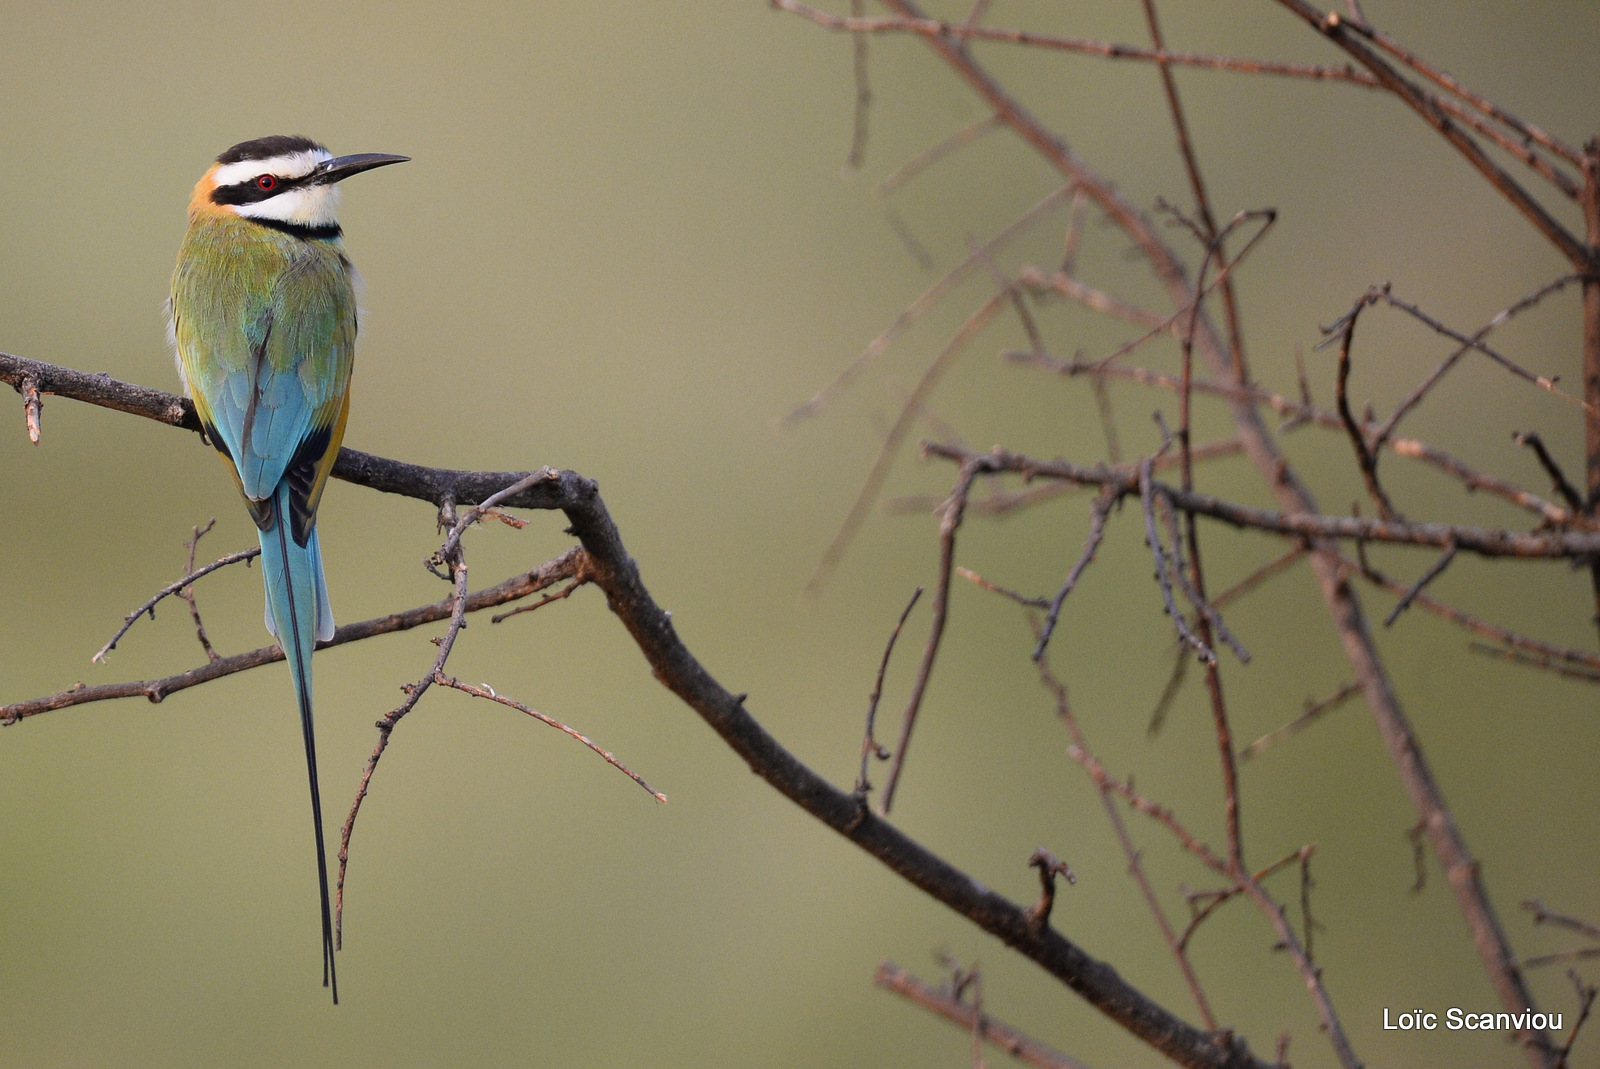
(299, 614)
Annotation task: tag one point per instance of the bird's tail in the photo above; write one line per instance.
(299, 614)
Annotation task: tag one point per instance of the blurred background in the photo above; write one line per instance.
(625, 245)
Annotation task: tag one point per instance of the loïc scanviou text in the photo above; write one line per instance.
(1457, 1019)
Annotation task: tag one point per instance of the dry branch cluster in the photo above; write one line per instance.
(1194, 352)
(1195, 265)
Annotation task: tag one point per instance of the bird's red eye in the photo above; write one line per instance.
(266, 183)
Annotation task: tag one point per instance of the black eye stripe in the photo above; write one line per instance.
(249, 191)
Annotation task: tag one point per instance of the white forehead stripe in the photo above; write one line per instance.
(289, 165)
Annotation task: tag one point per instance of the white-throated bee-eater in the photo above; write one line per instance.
(264, 321)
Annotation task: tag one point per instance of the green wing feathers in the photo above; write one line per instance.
(265, 326)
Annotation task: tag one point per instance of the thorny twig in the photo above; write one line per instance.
(870, 747)
(1414, 398)
(1106, 49)
(1366, 457)
(169, 590)
(1435, 570)
(1099, 512)
(1303, 411)
(187, 593)
(949, 524)
(487, 692)
(1164, 567)
(1204, 608)
(1542, 650)
(1558, 478)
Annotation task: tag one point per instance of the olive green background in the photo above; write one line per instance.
(625, 246)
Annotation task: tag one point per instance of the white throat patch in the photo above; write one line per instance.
(308, 206)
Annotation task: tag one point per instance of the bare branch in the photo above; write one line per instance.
(1303, 411)
(1486, 542)
(1541, 650)
(1415, 397)
(1006, 592)
(1571, 671)
(1558, 478)
(187, 593)
(1434, 571)
(1099, 512)
(488, 693)
(921, 162)
(1525, 131)
(869, 746)
(1543, 914)
(863, 102)
(1586, 997)
(518, 586)
(1001, 1036)
(1350, 38)
(1274, 567)
(1366, 458)
(1165, 568)
(560, 595)
(1204, 608)
(964, 32)
(949, 523)
(1313, 710)
(167, 591)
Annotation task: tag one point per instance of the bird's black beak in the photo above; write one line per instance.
(341, 167)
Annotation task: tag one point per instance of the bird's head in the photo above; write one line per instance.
(282, 179)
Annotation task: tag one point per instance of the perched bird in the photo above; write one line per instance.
(263, 317)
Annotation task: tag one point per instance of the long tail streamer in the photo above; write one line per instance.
(297, 610)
